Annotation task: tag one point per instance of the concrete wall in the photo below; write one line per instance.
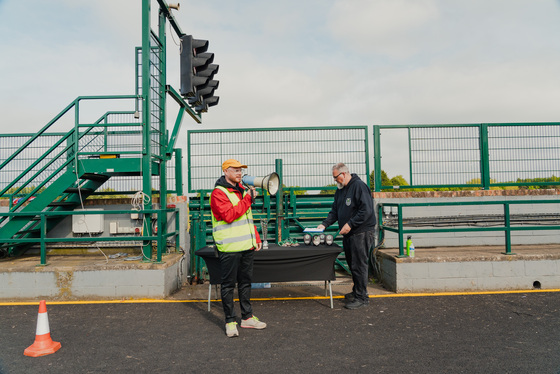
(84, 279)
(475, 274)
(475, 238)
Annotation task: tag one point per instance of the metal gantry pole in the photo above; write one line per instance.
(146, 147)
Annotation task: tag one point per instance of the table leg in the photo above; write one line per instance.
(209, 295)
(330, 290)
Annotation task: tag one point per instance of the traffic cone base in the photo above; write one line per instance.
(43, 344)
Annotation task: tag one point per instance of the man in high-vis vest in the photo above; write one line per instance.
(236, 239)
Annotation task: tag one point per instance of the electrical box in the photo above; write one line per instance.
(87, 223)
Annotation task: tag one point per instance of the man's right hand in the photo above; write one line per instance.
(321, 227)
(254, 193)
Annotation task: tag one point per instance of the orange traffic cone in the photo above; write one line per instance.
(43, 344)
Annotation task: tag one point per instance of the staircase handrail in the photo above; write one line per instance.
(38, 134)
(68, 135)
(39, 159)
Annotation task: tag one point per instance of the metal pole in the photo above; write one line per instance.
(279, 202)
(43, 244)
(377, 157)
(146, 152)
(507, 229)
(164, 136)
(401, 235)
(484, 157)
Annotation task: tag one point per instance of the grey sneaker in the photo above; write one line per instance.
(231, 330)
(349, 297)
(252, 323)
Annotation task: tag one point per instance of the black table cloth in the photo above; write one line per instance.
(282, 264)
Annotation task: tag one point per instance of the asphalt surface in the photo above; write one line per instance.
(494, 333)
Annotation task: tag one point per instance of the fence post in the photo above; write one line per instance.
(279, 202)
(161, 239)
(178, 171)
(195, 232)
(484, 157)
(401, 238)
(507, 229)
(377, 158)
(43, 228)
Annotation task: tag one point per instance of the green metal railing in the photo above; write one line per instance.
(286, 215)
(43, 158)
(299, 212)
(37, 171)
(400, 228)
(160, 239)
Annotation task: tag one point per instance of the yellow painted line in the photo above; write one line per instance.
(84, 302)
(466, 293)
(155, 301)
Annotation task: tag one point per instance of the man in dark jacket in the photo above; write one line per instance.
(353, 209)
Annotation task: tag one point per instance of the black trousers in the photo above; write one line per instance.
(236, 267)
(356, 249)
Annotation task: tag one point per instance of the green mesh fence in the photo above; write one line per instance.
(307, 154)
(519, 153)
(469, 155)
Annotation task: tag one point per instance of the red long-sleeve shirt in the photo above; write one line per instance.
(224, 210)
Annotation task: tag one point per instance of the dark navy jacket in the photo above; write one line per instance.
(352, 204)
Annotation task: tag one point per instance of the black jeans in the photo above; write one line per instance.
(356, 249)
(236, 267)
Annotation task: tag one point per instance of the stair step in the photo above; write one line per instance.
(87, 191)
(29, 231)
(61, 203)
(37, 218)
(95, 177)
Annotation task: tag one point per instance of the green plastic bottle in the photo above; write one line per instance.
(409, 247)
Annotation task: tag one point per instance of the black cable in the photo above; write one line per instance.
(375, 265)
(476, 220)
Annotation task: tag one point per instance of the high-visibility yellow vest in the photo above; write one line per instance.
(238, 235)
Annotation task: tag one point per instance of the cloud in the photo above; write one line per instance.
(517, 91)
(385, 27)
(282, 64)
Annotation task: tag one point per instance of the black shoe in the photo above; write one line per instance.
(356, 304)
(349, 297)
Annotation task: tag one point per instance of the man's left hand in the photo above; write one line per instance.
(345, 229)
(259, 246)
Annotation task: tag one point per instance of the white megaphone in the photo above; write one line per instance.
(270, 182)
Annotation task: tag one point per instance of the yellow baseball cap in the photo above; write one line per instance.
(231, 163)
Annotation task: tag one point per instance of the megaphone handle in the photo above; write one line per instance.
(252, 193)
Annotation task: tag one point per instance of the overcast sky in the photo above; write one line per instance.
(298, 62)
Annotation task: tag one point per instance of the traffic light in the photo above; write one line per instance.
(197, 73)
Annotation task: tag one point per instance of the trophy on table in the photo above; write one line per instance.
(264, 227)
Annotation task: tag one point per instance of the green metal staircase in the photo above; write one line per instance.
(62, 177)
(43, 183)
(65, 194)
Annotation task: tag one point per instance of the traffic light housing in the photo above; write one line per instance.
(197, 73)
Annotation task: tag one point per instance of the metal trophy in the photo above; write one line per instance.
(264, 227)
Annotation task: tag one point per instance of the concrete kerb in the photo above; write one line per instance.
(451, 269)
